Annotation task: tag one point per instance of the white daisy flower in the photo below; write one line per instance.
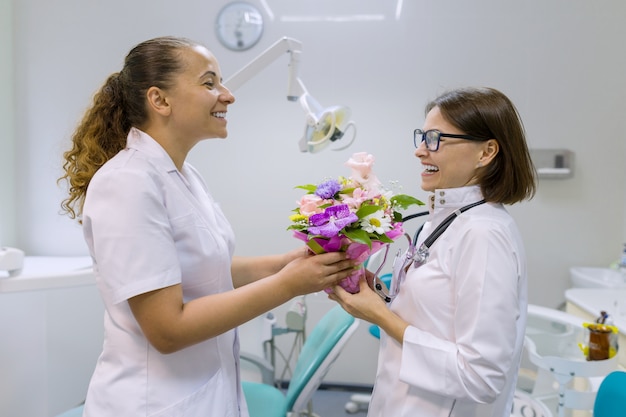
(376, 222)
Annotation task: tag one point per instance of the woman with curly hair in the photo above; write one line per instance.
(162, 249)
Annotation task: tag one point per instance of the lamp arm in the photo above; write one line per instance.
(292, 46)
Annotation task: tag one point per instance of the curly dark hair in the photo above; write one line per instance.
(119, 105)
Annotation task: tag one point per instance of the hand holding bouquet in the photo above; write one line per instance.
(356, 215)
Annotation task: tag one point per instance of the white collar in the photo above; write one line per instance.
(453, 198)
(141, 141)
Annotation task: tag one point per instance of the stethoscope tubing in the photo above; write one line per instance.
(442, 226)
(422, 251)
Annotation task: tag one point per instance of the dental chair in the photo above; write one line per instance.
(319, 352)
(565, 380)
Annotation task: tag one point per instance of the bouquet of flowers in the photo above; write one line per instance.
(356, 215)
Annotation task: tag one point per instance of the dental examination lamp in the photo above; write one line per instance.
(323, 125)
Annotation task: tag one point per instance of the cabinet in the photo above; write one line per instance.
(51, 322)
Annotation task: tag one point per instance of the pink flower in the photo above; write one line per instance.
(359, 196)
(361, 164)
(310, 205)
(397, 230)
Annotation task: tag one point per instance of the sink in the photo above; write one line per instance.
(594, 277)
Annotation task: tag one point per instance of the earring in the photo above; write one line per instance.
(479, 165)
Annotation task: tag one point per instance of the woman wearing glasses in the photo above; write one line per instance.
(452, 335)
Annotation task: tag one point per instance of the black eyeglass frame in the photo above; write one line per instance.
(437, 138)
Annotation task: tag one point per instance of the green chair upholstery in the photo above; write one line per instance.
(73, 412)
(611, 396)
(320, 350)
(264, 400)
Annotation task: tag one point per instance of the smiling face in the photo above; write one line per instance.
(457, 162)
(193, 105)
(198, 100)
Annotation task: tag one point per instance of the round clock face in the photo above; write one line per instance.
(239, 26)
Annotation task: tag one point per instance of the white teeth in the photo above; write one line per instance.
(430, 168)
(220, 114)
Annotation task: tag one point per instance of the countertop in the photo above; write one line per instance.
(48, 272)
(594, 300)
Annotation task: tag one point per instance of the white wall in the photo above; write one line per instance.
(560, 61)
(7, 142)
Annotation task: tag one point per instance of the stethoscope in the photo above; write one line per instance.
(413, 255)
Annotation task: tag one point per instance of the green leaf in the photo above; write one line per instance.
(403, 201)
(384, 238)
(366, 210)
(308, 187)
(359, 236)
(315, 247)
(297, 227)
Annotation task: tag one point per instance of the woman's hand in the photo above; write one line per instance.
(247, 269)
(301, 252)
(365, 304)
(308, 273)
(368, 305)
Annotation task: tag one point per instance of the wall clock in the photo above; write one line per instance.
(239, 26)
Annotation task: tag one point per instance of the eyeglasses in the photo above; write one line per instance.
(433, 137)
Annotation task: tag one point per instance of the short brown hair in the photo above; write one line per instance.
(487, 113)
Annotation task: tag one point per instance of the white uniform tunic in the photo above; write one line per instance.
(467, 312)
(149, 226)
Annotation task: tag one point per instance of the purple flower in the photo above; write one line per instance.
(332, 220)
(328, 189)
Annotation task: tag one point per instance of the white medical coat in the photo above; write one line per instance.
(467, 312)
(149, 226)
